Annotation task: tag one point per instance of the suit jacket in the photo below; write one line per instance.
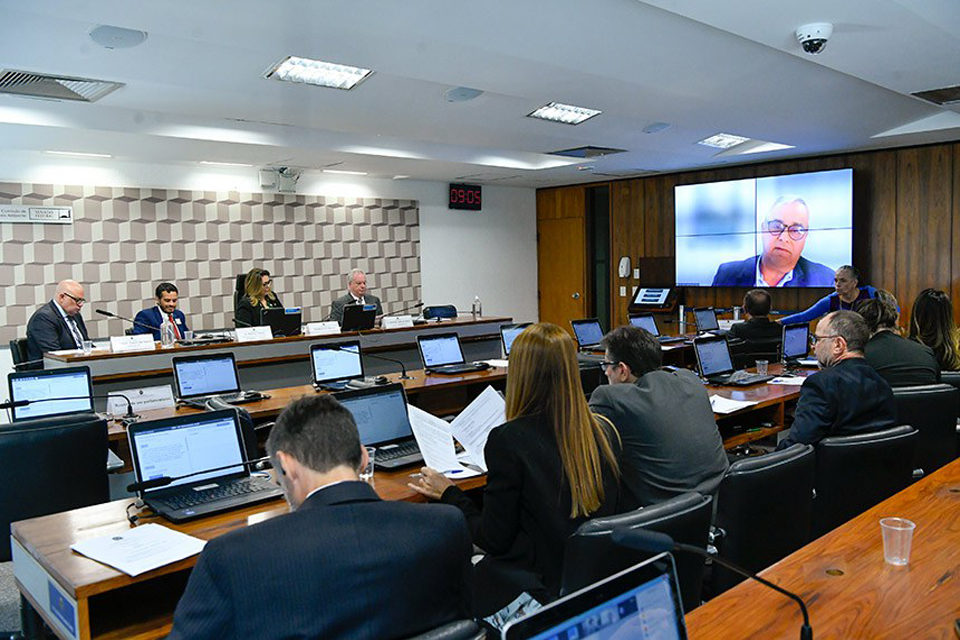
(671, 444)
(344, 565)
(154, 318)
(902, 362)
(757, 330)
(336, 309)
(249, 315)
(744, 274)
(48, 331)
(843, 400)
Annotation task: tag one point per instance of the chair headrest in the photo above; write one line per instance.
(768, 460)
(645, 516)
(874, 436)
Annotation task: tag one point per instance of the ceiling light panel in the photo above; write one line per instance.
(564, 113)
(79, 154)
(723, 141)
(318, 72)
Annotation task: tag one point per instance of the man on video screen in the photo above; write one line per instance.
(784, 233)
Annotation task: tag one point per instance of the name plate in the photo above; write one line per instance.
(137, 342)
(145, 399)
(322, 328)
(254, 334)
(396, 322)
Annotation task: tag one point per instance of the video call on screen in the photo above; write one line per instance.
(380, 417)
(203, 377)
(440, 351)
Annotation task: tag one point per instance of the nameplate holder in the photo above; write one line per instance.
(396, 322)
(254, 334)
(144, 399)
(323, 328)
(136, 342)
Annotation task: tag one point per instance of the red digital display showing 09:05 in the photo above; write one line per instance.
(465, 196)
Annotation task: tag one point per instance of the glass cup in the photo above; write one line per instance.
(87, 347)
(762, 367)
(188, 335)
(366, 472)
(897, 538)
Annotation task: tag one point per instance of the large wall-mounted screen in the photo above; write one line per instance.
(780, 231)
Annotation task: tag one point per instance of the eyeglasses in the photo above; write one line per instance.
(776, 229)
(268, 283)
(75, 299)
(815, 338)
(605, 364)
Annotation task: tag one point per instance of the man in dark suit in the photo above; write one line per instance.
(848, 396)
(343, 563)
(671, 444)
(57, 324)
(149, 320)
(356, 294)
(758, 327)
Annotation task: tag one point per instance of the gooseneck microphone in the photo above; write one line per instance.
(129, 416)
(131, 320)
(402, 311)
(656, 542)
(259, 464)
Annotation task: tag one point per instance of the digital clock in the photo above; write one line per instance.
(465, 196)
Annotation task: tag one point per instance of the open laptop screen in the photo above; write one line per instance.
(438, 350)
(713, 356)
(380, 413)
(336, 363)
(706, 319)
(53, 383)
(795, 340)
(646, 322)
(205, 375)
(509, 333)
(587, 332)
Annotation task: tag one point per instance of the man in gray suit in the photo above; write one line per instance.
(356, 294)
(671, 444)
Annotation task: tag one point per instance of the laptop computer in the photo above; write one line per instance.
(336, 365)
(796, 342)
(283, 322)
(706, 319)
(382, 420)
(175, 447)
(358, 317)
(588, 333)
(716, 364)
(640, 602)
(648, 322)
(199, 378)
(509, 333)
(441, 353)
(69, 382)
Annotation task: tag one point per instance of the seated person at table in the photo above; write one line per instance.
(931, 324)
(848, 292)
(551, 466)
(848, 396)
(166, 309)
(900, 361)
(257, 295)
(342, 564)
(356, 294)
(671, 444)
(57, 325)
(758, 327)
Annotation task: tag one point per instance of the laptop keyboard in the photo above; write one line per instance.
(220, 492)
(399, 451)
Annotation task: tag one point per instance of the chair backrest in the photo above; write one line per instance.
(856, 472)
(458, 630)
(19, 355)
(50, 465)
(442, 311)
(764, 506)
(239, 291)
(745, 353)
(931, 409)
(590, 555)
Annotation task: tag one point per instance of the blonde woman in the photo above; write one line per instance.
(257, 295)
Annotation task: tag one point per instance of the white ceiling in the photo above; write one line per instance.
(194, 90)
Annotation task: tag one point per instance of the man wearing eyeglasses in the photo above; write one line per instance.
(57, 324)
(784, 234)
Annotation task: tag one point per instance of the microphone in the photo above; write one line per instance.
(259, 464)
(656, 542)
(241, 322)
(129, 415)
(136, 322)
(402, 311)
(13, 404)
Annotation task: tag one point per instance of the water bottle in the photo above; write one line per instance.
(477, 308)
(167, 334)
(683, 320)
(736, 313)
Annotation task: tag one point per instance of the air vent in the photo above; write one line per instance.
(34, 85)
(587, 152)
(946, 95)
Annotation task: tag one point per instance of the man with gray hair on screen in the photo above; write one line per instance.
(356, 294)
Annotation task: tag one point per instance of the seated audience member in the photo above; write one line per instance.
(671, 444)
(257, 295)
(931, 324)
(757, 327)
(166, 309)
(848, 396)
(342, 564)
(356, 294)
(58, 324)
(899, 361)
(551, 466)
(848, 293)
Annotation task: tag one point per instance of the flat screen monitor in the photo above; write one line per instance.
(440, 349)
(283, 322)
(198, 376)
(713, 356)
(646, 321)
(706, 319)
(587, 332)
(336, 363)
(796, 341)
(651, 296)
(70, 382)
(380, 413)
(509, 333)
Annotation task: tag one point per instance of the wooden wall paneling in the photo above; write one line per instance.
(626, 239)
(955, 251)
(875, 218)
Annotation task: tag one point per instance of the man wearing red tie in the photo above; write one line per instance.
(149, 320)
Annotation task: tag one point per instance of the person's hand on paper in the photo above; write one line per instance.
(432, 483)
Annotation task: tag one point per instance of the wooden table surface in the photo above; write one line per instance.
(849, 590)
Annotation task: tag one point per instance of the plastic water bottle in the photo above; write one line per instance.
(167, 334)
(476, 308)
(683, 320)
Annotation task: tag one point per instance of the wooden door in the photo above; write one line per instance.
(561, 255)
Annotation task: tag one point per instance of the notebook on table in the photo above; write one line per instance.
(442, 353)
(716, 364)
(199, 378)
(69, 382)
(648, 322)
(383, 422)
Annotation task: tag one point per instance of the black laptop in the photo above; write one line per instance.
(358, 317)
(509, 333)
(441, 353)
(175, 447)
(716, 364)
(335, 365)
(283, 322)
(69, 382)
(199, 378)
(706, 320)
(796, 342)
(649, 323)
(382, 420)
(588, 334)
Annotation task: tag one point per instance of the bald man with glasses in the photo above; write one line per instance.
(57, 324)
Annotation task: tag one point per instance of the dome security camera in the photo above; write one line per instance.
(813, 37)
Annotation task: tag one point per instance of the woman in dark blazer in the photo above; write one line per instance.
(551, 466)
(258, 295)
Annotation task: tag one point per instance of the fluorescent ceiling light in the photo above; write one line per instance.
(400, 177)
(763, 147)
(564, 113)
(213, 163)
(78, 154)
(318, 72)
(345, 172)
(723, 141)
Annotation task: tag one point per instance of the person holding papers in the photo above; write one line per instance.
(57, 324)
(342, 564)
(257, 295)
(551, 466)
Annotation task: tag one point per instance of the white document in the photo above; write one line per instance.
(436, 444)
(719, 404)
(253, 334)
(140, 549)
(322, 328)
(497, 362)
(396, 322)
(136, 342)
(788, 380)
(474, 423)
(145, 399)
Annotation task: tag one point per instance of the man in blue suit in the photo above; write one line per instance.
(149, 320)
(784, 234)
(343, 563)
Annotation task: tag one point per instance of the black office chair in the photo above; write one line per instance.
(440, 312)
(856, 472)
(590, 555)
(764, 508)
(459, 630)
(20, 355)
(952, 378)
(931, 409)
(745, 353)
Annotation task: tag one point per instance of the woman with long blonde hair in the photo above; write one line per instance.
(257, 295)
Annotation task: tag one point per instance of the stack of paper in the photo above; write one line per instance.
(788, 380)
(719, 404)
(141, 549)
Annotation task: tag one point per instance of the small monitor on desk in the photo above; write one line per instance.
(796, 341)
(646, 321)
(198, 376)
(70, 382)
(509, 333)
(587, 332)
(380, 413)
(706, 319)
(337, 363)
(283, 322)
(440, 349)
(713, 356)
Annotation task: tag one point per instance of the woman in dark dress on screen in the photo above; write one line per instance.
(257, 295)
(551, 466)
(931, 324)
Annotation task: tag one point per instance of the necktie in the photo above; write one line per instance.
(176, 329)
(75, 330)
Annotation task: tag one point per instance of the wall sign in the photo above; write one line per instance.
(465, 196)
(42, 215)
